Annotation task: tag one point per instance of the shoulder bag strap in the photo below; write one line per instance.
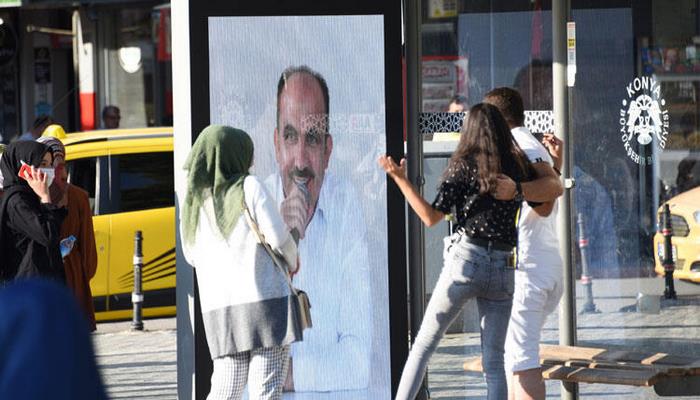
(261, 239)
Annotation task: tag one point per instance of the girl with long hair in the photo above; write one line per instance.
(478, 256)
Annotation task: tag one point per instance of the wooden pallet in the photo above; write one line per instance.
(618, 367)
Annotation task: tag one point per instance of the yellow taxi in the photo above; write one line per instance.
(128, 174)
(685, 221)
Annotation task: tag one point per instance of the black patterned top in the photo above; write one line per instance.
(481, 216)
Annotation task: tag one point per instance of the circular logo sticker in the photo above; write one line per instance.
(643, 117)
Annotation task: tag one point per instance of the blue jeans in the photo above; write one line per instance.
(469, 271)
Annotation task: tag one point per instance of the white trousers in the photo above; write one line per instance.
(264, 370)
(536, 296)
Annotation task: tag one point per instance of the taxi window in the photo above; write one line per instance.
(145, 181)
(83, 174)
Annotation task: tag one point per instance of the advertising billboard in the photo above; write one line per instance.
(319, 93)
(313, 102)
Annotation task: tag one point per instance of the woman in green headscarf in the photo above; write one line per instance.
(245, 299)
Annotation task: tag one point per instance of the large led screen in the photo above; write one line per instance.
(310, 91)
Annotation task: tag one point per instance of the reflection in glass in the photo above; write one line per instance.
(509, 44)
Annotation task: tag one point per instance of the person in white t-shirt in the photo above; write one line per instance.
(538, 279)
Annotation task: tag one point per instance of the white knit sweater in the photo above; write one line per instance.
(244, 296)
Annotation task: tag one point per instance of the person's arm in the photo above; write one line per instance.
(425, 211)
(547, 185)
(42, 224)
(546, 175)
(555, 147)
(268, 218)
(37, 180)
(544, 209)
(545, 188)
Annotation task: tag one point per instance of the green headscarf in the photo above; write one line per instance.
(219, 160)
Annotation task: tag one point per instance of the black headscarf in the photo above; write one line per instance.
(30, 152)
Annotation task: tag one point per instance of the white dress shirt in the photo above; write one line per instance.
(334, 271)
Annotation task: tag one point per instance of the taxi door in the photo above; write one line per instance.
(142, 199)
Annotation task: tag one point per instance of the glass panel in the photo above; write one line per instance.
(635, 114)
(635, 132)
(432, 168)
(83, 173)
(130, 66)
(145, 181)
(485, 45)
(162, 75)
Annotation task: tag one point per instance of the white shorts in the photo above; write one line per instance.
(535, 297)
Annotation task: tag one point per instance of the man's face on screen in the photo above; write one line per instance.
(302, 143)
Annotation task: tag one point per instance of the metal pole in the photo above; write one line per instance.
(669, 263)
(560, 97)
(77, 40)
(52, 31)
(642, 211)
(416, 240)
(137, 295)
(586, 279)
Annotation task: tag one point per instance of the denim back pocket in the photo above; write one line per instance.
(462, 271)
(465, 262)
(508, 279)
(502, 278)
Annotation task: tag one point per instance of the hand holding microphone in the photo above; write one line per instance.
(294, 210)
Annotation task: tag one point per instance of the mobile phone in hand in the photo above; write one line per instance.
(25, 171)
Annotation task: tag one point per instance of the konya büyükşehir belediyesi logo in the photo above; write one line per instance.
(643, 116)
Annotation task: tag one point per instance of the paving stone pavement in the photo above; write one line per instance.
(142, 365)
(138, 365)
(675, 330)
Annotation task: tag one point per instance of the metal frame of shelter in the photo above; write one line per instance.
(412, 19)
(562, 104)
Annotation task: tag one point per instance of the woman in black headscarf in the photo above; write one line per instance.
(29, 224)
